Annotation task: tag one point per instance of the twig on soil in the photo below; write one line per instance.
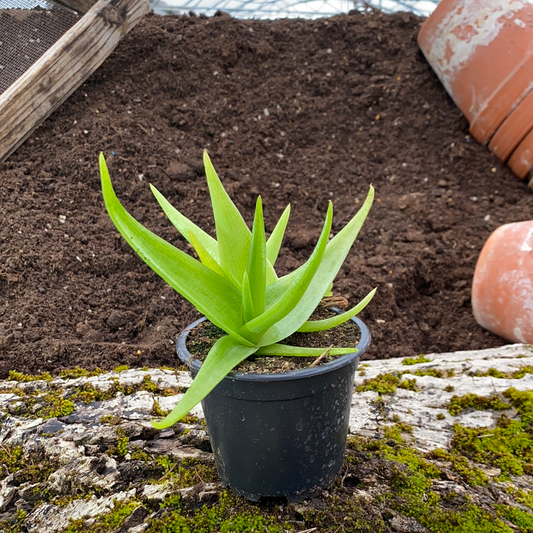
(199, 476)
(344, 477)
(167, 472)
(320, 357)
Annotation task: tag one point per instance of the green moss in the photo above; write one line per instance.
(148, 384)
(411, 480)
(185, 473)
(77, 372)
(55, 407)
(121, 368)
(495, 373)
(416, 360)
(458, 404)
(122, 442)
(193, 420)
(449, 388)
(23, 378)
(49, 404)
(524, 497)
(229, 514)
(157, 410)
(88, 393)
(492, 372)
(138, 454)
(112, 420)
(170, 368)
(105, 523)
(520, 518)
(508, 446)
(409, 384)
(441, 416)
(55, 402)
(15, 524)
(383, 384)
(523, 402)
(27, 468)
(433, 372)
(395, 431)
(470, 519)
(519, 374)
(469, 473)
(12, 459)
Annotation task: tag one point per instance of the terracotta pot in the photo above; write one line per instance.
(513, 130)
(521, 161)
(482, 51)
(502, 290)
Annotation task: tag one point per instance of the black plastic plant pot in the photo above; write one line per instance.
(276, 435)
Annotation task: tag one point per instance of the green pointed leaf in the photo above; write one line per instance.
(336, 251)
(337, 320)
(223, 357)
(233, 235)
(257, 261)
(275, 291)
(299, 351)
(209, 244)
(204, 255)
(266, 323)
(210, 293)
(248, 312)
(276, 237)
(185, 226)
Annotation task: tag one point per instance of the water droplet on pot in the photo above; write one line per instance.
(311, 458)
(299, 426)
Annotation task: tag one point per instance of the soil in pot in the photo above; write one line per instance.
(298, 111)
(205, 334)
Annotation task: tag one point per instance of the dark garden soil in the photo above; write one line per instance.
(297, 111)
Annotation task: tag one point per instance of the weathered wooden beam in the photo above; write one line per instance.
(63, 68)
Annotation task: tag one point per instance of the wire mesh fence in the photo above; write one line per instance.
(28, 28)
(271, 9)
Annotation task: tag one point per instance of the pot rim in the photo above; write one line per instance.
(302, 373)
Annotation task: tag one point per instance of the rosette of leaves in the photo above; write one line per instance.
(234, 283)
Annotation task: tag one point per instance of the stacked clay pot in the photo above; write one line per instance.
(482, 51)
(502, 290)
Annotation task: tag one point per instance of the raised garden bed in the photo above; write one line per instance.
(287, 109)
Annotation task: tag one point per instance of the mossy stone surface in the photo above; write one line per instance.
(99, 465)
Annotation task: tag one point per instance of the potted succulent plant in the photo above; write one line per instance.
(272, 434)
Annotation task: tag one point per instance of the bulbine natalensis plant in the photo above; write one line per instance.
(234, 283)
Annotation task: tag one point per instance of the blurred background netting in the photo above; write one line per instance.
(28, 28)
(273, 9)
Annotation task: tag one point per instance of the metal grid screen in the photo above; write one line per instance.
(272, 9)
(27, 30)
